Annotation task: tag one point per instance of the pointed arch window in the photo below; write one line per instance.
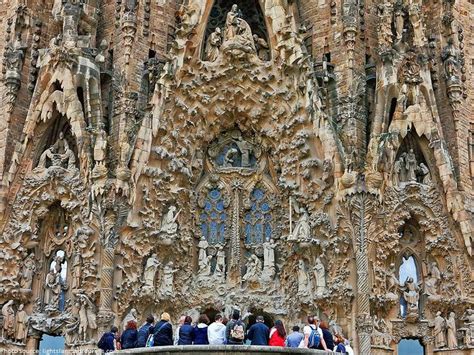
(258, 219)
(213, 217)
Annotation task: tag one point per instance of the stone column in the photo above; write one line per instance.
(234, 264)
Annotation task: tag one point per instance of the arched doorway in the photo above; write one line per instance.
(410, 346)
(269, 320)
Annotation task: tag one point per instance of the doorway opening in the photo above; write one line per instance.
(269, 320)
(410, 346)
(51, 344)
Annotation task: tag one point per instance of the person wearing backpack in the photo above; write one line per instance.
(144, 331)
(163, 331)
(313, 335)
(235, 330)
(340, 348)
(107, 341)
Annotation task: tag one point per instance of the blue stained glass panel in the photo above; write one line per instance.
(213, 218)
(258, 227)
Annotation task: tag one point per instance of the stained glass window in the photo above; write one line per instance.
(213, 218)
(258, 220)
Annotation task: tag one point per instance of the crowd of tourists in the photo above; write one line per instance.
(315, 335)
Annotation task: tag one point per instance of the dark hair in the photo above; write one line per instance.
(236, 314)
(323, 325)
(339, 339)
(203, 318)
(296, 328)
(114, 329)
(150, 319)
(310, 319)
(188, 320)
(225, 320)
(131, 324)
(260, 319)
(280, 328)
(217, 317)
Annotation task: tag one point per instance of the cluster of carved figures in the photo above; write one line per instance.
(236, 172)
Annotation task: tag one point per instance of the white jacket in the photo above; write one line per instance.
(216, 333)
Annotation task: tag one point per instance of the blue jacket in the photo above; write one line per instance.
(143, 333)
(129, 339)
(186, 335)
(200, 334)
(258, 334)
(294, 339)
(106, 343)
(163, 334)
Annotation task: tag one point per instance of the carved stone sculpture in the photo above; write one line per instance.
(237, 33)
(8, 320)
(425, 173)
(414, 13)
(76, 270)
(167, 289)
(202, 258)
(261, 46)
(28, 271)
(169, 227)
(220, 261)
(450, 56)
(433, 280)
(149, 273)
(254, 269)
(213, 45)
(439, 331)
(411, 166)
(303, 279)
(131, 315)
(21, 324)
(52, 290)
(268, 260)
(302, 231)
(58, 153)
(319, 277)
(468, 328)
(452, 340)
(411, 296)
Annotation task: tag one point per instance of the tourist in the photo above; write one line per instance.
(348, 347)
(327, 336)
(295, 338)
(181, 322)
(258, 333)
(185, 336)
(235, 330)
(163, 331)
(145, 331)
(107, 342)
(200, 330)
(340, 348)
(216, 331)
(313, 335)
(277, 334)
(129, 336)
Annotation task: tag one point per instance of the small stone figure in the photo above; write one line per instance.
(425, 173)
(303, 279)
(468, 328)
(238, 31)
(392, 280)
(8, 320)
(411, 296)
(229, 157)
(27, 271)
(414, 13)
(262, 47)
(87, 317)
(151, 267)
(58, 153)
(450, 57)
(213, 44)
(76, 270)
(319, 277)
(245, 149)
(433, 280)
(385, 11)
(399, 22)
(21, 324)
(202, 259)
(220, 261)
(302, 229)
(451, 327)
(168, 223)
(269, 259)
(254, 269)
(438, 331)
(411, 166)
(83, 324)
(52, 289)
(167, 284)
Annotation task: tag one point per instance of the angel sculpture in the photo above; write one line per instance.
(411, 295)
(302, 229)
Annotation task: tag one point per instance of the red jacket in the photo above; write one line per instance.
(275, 338)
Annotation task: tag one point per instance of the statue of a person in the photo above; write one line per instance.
(231, 23)
(392, 280)
(468, 319)
(168, 277)
(27, 271)
(411, 296)
(319, 277)
(402, 177)
(213, 44)
(220, 261)
(397, 169)
(450, 56)
(411, 166)
(151, 267)
(238, 31)
(8, 320)
(425, 173)
(21, 323)
(245, 149)
(262, 47)
(100, 146)
(269, 258)
(414, 13)
(83, 323)
(76, 270)
(51, 296)
(451, 334)
(302, 229)
(438, 331)
(254, 268)
(385, 11)
(90, 312)
(168, 222)
(202, 257)
(399, 22)
(229, 157)
(303, 279)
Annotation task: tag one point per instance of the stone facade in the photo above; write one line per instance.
(285, 157)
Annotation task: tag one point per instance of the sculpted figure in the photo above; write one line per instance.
(151, 267)
(213, 44)
(203, 245)
(229, 157)
(205, 266)
(303, 279)
(320, 277)
(399, 21)
(433, 280)
(438, 331)
(21, 323)
(8, 320)
(397, 169)
(168, 222)
(262, 47)
(231, 23)
(254, 268)
(52, 289)
(411, 166)
(167, 284)
(100, 146)
(220, 261)
(402, 177)
(245, 149)
(451, 327)
(425, 173)
(414, 13)
(450, 56)
(76, 270)
(238, 30)
(27, 272)
(90, 317)
(385, 12)
(411, 296)
(392, 280)
(83, 324)
(469, 327)
(302, 229)
(269, 259)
